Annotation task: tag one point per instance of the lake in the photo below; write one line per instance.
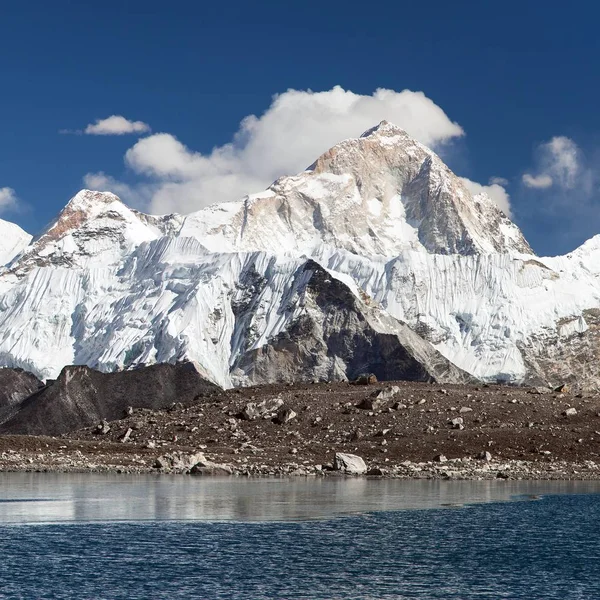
(144, 537)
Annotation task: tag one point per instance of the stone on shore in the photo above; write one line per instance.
(206, 467)
(349, 463)
(179, 462)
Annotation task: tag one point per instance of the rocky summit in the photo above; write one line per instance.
(377, 258)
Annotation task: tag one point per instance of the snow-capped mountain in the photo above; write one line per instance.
(374, 258)
(381, 194)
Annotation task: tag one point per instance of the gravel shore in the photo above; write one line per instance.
(400, 429)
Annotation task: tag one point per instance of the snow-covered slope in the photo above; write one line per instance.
(13, 240)
(434, 272)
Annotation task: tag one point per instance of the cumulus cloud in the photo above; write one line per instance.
(495, 191)
(113, 125)
(290, 135)
(559, 164)
(8, 199)
(539, 182)
(498, 181)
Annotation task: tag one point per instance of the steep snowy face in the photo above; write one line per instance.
(381, 194)
(13, 240)
(94, 228)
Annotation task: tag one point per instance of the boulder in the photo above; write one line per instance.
(102, 428)
(349, 463)
(284, 415)
(206, 467)
(250, 412)
(267, 409)
(457, 423)
(179, 462)
(386, 393)
(369, 403)
(375, 472)
(539, 390)
(365, 379)
(570, 412)
(486, 456)
(356, 435)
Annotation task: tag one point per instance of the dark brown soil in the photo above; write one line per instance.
(513, 424)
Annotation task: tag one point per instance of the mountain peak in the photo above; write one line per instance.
(93, 226)
(380, 194)
(385, 128)
(85, 200)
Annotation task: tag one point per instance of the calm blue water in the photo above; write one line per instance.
(540, 546)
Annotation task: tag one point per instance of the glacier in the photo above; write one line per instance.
(445, 271)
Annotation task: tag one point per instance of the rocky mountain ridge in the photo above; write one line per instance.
(422, 270)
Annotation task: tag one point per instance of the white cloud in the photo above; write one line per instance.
(498, 181)
(297, 128)
(495, 191)
(8, 199)
(559, 164)
(561, 156)
(539, 182)
(113, 125)
(566, 183)
(116, 125)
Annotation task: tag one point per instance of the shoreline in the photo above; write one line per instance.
(62, 456)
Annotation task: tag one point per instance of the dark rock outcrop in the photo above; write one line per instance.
(82, 397)
(338, 337)
(15, 386)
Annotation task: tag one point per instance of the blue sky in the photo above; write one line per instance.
(520, 79)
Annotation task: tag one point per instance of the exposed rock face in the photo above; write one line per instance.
(82, 397)
(15, 386)
(336, 336)
(572, 356)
